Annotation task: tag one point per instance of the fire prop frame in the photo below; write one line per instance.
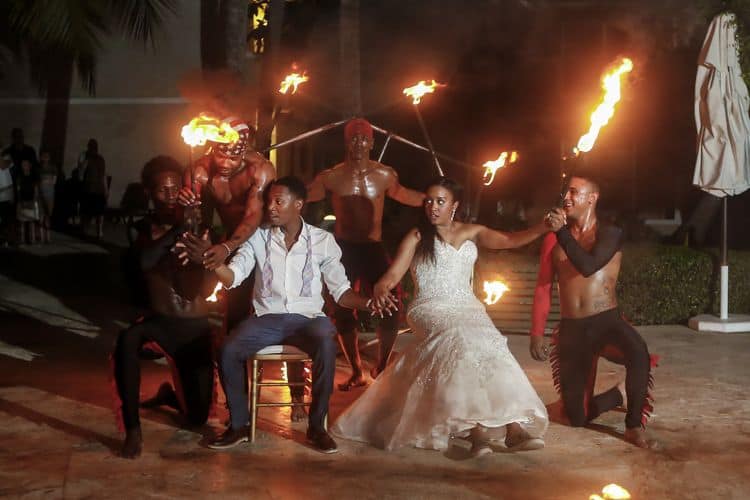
(389, 135)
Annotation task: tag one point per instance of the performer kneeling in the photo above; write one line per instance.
(178, 326)
(586, 256)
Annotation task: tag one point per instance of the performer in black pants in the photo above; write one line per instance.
(178, 325)
(585, 255)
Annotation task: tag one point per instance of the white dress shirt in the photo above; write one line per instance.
(286, 277)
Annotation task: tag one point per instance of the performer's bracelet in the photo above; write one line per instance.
(229, 250)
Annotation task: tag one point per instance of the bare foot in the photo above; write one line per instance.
(637, 436)
(131, 448)
(354, 381)
(298, 412)
(165, 396)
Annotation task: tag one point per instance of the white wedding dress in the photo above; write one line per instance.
(457, 374)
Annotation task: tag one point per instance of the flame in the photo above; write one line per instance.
(494, 290)
(213, 297)
(416, 92)
(612, 492)
(292, 80)
(611, 83)
(205, 128)
(491, 167)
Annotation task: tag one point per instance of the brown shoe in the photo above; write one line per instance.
(321, 441)
(230, 438)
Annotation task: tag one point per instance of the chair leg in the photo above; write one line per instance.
(254, 399)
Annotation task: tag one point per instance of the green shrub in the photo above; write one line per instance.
(662, 284)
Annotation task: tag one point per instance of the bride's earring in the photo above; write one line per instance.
(453, 213)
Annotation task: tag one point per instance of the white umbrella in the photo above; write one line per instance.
(722, 167)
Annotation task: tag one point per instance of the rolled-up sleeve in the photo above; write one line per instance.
(333, 270)
(242, 263)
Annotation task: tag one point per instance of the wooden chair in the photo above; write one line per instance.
(279, 354)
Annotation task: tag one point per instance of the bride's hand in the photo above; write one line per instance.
(383, 300)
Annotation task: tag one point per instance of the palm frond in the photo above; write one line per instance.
(73, 25)
(139, 19)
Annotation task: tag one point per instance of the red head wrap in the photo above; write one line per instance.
(357, 126)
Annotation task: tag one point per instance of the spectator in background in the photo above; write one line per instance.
(93, 188)
(19, 151)
(48, 175)
(27, 196)
(7, 200)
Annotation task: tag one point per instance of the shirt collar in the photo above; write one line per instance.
(304, 233)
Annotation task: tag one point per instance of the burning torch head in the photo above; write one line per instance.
(359, 138)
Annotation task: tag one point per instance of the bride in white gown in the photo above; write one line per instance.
(458, 378)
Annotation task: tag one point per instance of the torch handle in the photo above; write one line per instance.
(563, 191)
(429, 141)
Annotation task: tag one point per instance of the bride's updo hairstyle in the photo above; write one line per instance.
(427, 230)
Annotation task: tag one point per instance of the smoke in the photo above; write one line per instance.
(220, 93)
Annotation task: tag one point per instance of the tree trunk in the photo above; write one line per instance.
(234, 15)
(213, 51)
(349, 53)
(269, 77)
(55, 125)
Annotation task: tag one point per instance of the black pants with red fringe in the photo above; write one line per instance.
(186, 342)
(578, 346)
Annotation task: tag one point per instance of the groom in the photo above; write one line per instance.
(294, 260)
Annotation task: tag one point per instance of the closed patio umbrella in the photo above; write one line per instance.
(722, 166)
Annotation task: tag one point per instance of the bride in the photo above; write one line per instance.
(458, 378)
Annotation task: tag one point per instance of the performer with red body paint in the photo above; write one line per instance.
(586, 255)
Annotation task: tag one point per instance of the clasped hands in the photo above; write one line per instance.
(200, 250)
(555, 219)
(383, 302)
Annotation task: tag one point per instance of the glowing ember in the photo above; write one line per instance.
(416, 92)
(206, 128)
(292, 81)
(213, 297)
(494, 290)
(606, 109)
(491, 167)
(612, 492)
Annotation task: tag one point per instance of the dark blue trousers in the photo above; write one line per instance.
(316, 336)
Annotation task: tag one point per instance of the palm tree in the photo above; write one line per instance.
(349, 59)
(59, 37)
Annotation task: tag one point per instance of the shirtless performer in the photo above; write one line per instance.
(586, 256)
(358, 188)
(178, 325)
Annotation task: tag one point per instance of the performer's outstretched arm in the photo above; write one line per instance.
(608, 242)
(403, 194)
(264, 174)
(542, 299)
(499, 240)
(316, 190)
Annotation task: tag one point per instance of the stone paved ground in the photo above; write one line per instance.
(61, 307)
